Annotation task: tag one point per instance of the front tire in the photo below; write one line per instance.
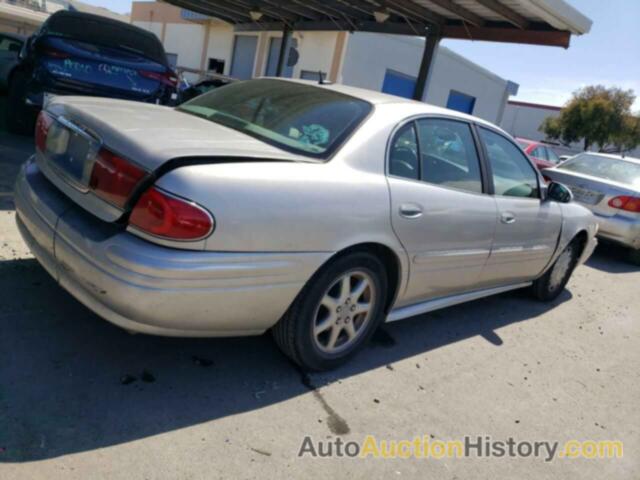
(335, 314)
(551, 284)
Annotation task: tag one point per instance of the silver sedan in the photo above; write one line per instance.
(609, 186)
(316, 211)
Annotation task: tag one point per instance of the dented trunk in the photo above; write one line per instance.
(79, 136)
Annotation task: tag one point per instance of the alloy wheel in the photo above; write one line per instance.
(344, 311)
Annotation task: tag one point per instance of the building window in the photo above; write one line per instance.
(172, 59)
(216, 65)
(461, 102)
(312, 75)
(400, 84)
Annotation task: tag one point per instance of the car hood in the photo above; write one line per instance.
(151, 134)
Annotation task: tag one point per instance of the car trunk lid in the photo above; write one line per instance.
(593, 192)
(147, 136)
(74, 65)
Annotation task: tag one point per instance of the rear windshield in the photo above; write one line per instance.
(621, 171)
(300, 118)
(522, 144)
(108, 33)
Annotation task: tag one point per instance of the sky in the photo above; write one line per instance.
(608, 55)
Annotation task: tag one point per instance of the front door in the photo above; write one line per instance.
(439, 208)
(528, 228)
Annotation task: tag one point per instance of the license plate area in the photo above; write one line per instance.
(71, 152)
(584, 195)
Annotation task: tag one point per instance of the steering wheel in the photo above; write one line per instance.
(404, 151)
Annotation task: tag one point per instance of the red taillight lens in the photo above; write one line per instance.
(42, 130)
(113, 178)
(170, 217)
(55, 53)
(167, 78)
(625, 202)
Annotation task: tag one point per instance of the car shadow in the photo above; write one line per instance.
(611, 258)
(71, 382)
(14, 151)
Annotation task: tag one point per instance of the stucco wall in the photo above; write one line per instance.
(185, 40)
(524, 121)
(369, 55)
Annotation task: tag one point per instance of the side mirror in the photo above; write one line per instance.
(559, 193)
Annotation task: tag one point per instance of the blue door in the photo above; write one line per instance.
(274, 54)
(244, 54)
(461, 102)
(399, 84)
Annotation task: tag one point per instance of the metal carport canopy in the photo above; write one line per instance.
(536, 22)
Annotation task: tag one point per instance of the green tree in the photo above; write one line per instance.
(596, 115)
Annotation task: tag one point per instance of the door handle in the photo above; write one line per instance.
(410, 210)
(508, 217)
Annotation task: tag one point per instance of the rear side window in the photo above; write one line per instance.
(448, 154)
(513, 175)
(551, 155)
(540, 153)
(403, 157)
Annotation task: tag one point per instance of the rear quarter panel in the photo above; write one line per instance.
(286, 206)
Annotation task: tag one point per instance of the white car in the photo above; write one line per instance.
(318, 211)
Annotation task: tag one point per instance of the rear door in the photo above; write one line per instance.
(439, 206)
(528, 228)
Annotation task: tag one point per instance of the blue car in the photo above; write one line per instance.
(76, 53)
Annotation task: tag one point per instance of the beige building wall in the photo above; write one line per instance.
(186, 41)
(195, 42)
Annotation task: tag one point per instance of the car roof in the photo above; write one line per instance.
(378, 98)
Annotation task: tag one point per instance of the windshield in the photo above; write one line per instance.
(621, 171)
(292, 116)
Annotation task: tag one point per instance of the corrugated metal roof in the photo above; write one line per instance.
(542, 22)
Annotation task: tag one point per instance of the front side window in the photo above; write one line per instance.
(513, 175)
(305, 119)
(403, 156)
(448, 154)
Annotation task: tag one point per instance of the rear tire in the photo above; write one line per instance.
(335, 314)
(20, 118)
(552, 283)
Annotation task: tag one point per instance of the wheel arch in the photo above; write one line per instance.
(390, 260)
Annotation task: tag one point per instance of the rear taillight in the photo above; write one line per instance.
(42, 130)
(55, 53)
(113, 178)
(167, 78)
(625, 202)
(173, 218)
